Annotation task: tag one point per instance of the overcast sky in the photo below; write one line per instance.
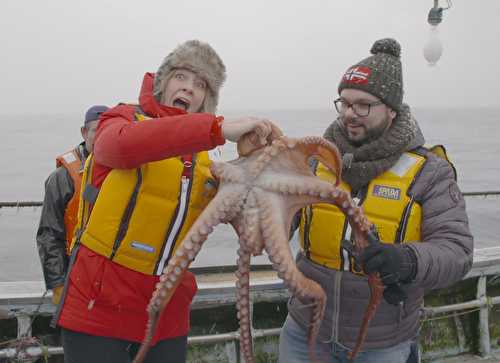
(62, 56)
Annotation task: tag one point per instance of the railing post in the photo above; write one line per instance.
(24, 331)
(231, 352)
(23, 326)
(484, 331)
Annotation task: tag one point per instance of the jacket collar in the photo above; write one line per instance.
(150, 105)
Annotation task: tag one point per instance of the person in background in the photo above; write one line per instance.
(143, 188)
(60, 206)
(411, 196)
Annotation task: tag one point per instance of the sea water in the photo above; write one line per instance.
(31, 142)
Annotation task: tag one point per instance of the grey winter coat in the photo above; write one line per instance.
(444, 256)
(51, 233)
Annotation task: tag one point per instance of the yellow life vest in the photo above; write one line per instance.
(388, 205)
(139, 216)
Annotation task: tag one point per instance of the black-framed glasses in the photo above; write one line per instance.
(359, 109)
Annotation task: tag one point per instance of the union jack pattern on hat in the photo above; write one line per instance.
(379, 74)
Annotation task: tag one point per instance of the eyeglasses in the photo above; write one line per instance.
(359, 109)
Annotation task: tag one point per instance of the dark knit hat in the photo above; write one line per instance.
(197, 57)
(379, 74)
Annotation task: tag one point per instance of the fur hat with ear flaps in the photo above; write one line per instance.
(200, 58)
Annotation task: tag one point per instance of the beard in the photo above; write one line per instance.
(370, 134)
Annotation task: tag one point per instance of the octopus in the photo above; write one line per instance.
(259, 193)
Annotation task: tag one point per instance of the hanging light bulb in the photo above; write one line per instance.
(433, 49)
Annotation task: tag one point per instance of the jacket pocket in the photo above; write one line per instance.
(188, 287)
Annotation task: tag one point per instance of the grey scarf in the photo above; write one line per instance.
(363, 163)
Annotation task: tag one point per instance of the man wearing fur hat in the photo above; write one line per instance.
(412, 198)
(143, 188)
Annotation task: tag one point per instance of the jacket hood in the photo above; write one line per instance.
(150, 105)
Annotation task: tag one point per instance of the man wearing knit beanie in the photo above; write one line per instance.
(422, 239)
(145, 185)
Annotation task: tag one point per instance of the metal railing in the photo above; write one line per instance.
(21, 203)
(35, 203)
(212, 294)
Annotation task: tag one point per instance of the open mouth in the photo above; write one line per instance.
(181, 103)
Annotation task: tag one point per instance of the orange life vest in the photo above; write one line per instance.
(73, 164)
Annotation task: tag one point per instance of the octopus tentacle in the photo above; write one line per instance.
(321, 149)
(249, 228)
(226, 172)
(266, 155)
(243, 304)
(250, 142)
(279, 252)
(182, 258)
(376, 293)
(360, 226)
(291, 184)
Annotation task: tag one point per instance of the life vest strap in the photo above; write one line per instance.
(90, 193)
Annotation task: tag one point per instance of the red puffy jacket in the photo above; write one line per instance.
(104, 298)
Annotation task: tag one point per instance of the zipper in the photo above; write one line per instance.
(401, 308)
(336, 306)
(308, 215)
(86, 205)
(345, 256)
(180, 213)
(404, 221)
(307, 227)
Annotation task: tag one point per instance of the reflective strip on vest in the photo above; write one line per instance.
(176, 225)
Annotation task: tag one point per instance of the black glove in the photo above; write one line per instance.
(395, 263)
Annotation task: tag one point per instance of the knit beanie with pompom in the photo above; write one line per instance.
(380, 74)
